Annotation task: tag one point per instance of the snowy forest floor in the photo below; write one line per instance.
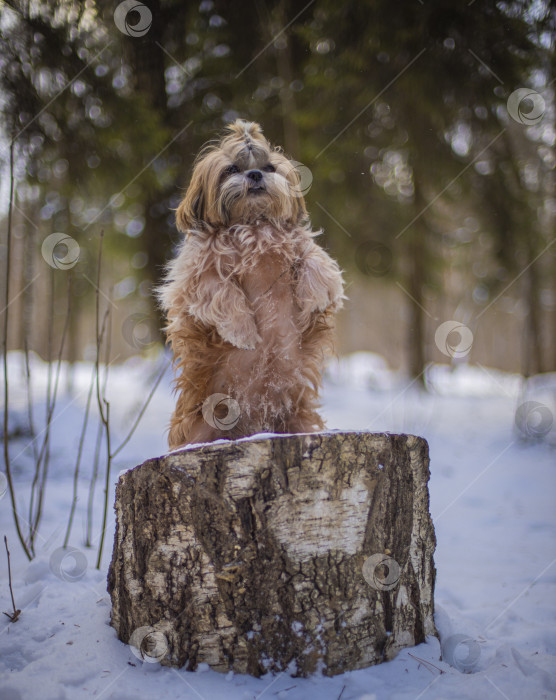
(492, 502)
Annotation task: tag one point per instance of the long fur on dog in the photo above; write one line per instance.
(249, 297)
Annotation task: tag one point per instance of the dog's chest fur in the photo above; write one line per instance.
(268, 285)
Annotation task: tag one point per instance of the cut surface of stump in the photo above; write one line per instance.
(290, 552)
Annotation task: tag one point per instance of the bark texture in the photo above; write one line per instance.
(299, 552)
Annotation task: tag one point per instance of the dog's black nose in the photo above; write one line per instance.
(255, 175)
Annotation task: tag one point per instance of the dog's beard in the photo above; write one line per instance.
(242, 201)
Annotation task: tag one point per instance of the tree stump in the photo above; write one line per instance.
(294, 552)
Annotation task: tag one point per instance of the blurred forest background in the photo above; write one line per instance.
(432, 178)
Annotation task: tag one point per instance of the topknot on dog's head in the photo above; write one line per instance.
(245, 143)
(243, 129)
(244, 136)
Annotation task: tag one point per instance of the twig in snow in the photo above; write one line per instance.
(341, 692)
(285, 690)
(426, 664)
(16, 613)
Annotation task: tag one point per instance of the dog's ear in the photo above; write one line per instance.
(299, 209)
(190, 212)
(292, 175)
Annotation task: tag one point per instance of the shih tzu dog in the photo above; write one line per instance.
(249, 297)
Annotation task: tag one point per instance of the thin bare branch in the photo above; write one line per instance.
(53, 397)
(29, 392)
(5, 358)
(92, 484)
(81, 442)
(103, 406)
(78, 460)
(143, 409)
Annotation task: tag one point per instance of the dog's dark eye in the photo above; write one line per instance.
(231, 169)
(269, 168)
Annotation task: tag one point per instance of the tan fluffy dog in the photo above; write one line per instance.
(249, 297)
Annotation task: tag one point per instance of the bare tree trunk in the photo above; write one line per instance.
(146, 56)
(416, 263)
(416, 331)
(552, 361)
(534, 361)
(269, 554)
(284, 63)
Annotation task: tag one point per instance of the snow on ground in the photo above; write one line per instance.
(492, 502)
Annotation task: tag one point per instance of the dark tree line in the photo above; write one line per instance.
(401, 116)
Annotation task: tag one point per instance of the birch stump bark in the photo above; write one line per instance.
(297, 552)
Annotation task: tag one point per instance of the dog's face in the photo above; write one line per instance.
(241, 180)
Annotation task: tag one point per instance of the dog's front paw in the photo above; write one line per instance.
(321, 300)
(242, 333)
(336, 294)
(244, 342)
(318, 294)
